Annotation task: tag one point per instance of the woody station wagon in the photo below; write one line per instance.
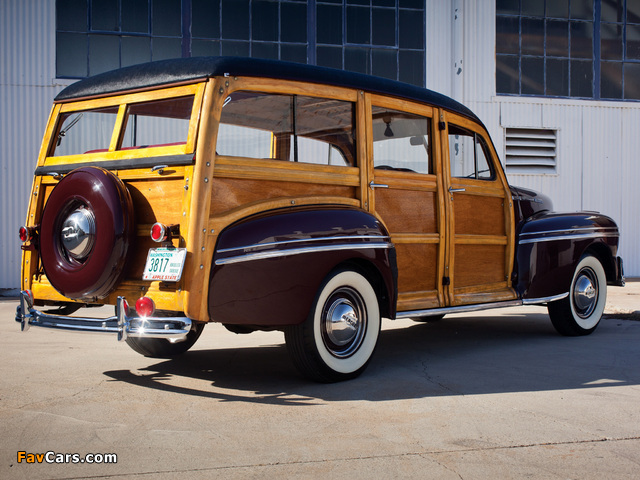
(268, 195)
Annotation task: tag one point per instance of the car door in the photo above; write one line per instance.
(479, 211)
(406, 194)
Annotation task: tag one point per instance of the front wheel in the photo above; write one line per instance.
(581, 311)
(338, 337)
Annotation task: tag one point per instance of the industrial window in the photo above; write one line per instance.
(530, 150)
(568, 48)
(380, 37)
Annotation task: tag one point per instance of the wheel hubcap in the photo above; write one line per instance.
(585, 293)
(78, 233)
(344, 322)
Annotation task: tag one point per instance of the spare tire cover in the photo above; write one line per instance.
(97, 264)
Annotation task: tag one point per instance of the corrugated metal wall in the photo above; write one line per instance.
(598, 143)
(27, 73)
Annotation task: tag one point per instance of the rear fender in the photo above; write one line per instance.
(267, 268)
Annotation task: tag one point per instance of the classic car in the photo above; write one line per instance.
(269, 195)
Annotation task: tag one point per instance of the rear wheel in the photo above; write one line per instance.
(580, 312)
(163, 348)
(338, 337)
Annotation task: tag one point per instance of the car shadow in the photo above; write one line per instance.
(456, 356)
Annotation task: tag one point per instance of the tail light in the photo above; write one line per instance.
(145, 307)
(164, 233)
(26, 234)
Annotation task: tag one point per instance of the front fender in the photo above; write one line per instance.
(268, 267)
(550, 246)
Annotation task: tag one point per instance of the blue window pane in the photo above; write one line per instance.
(383, 3)
(235, 49)
(104, 15)
(533, 8)
(558, 38)
(532, 36)
(411, 67)
(581, 78)
(71, 15)
(611, 41)
(508, 35)
(167, 17)
(612, 11)
(205, 19)
(507, 74)
(509, 7)
(633, 42)
(356, 59)
(411, 3)
(383, 30)
(264, 50)
(104, 53)
(329, 18)
(205, 48)
(235, 19)
(384, 63)
(611, 80)
(557, 77)
(632, 81)
(411, 29)
(135, 50)
(71, 58)
(329, 57)
(558, 9)
(581, 9)
(135, 17)
(532, 76)
(293, 53)
(293, 22)
(264, 20)
(358, 25)
(581, 39)
(165, 48)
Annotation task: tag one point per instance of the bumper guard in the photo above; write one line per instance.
(174, 329)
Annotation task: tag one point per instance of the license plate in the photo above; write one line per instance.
(164, 264)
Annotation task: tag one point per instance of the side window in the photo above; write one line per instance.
(85, 131)
(160, 122)
(292, 128)
(401, 141)
(468, 155)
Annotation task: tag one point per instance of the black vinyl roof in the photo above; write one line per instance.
(177, 70)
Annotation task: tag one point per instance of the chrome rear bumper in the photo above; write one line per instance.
(174, 329)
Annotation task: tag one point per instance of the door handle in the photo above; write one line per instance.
(373, 185)
(457, 190)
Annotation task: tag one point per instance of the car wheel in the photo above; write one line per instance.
(580, 312)
(86, 233)
(338, 338)
(163, 348)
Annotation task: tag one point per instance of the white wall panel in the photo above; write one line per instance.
(27, 69)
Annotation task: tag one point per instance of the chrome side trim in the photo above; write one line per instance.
(480, 307)
(298, 251)
(174, 329)
(577, 236)
(302, 240)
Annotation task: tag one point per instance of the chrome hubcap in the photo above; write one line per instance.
(344, 322)
(78, 233)
(585, 293)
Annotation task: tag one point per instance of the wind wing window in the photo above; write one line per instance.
(292, 128)
(468, 155)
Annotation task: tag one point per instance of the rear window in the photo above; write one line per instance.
(145, 124)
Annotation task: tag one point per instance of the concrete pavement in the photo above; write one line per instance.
(493, 394)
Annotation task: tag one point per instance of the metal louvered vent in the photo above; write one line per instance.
(530, 150)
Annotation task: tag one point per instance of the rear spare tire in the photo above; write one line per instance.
(86, 233)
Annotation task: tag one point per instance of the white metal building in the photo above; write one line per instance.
(579, 148)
